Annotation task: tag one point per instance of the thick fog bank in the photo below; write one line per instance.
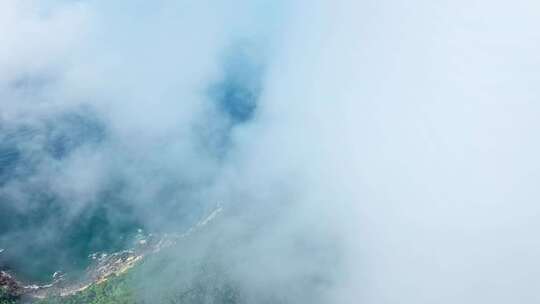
(362, 151)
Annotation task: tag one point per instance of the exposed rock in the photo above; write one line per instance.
(10, 286)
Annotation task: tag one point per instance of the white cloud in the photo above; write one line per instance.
(396, 139)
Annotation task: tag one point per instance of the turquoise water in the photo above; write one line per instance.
(40, 243)
(40, 233)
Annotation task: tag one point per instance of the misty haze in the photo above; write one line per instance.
(269, 151)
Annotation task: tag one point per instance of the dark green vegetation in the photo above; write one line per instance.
(130, 288)
(117, 290)
(5, 298)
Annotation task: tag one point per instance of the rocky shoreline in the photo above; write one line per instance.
(104, 266)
